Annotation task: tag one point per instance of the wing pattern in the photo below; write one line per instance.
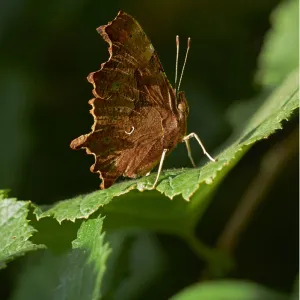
(134, 105)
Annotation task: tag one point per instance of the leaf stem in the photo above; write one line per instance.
(218, 263)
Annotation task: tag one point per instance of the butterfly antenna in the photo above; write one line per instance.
(186, 55)
(176, 64)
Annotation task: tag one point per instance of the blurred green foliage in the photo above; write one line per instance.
(48, 49)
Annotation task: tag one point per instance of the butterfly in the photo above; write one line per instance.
(138, 116)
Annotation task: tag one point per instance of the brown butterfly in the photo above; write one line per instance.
(138, 116)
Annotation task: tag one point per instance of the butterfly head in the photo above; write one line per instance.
(182, 106)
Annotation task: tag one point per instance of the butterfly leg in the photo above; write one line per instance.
(194, 135)
(188, 148)
(159, 167)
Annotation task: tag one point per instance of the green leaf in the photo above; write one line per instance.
(225, 290)
(280, 52)
(14, 229)
(74, 275)
(278, 58)
(185, 182)
(153, 209)
(82, 275)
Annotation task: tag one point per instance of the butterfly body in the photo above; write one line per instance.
(137, 114)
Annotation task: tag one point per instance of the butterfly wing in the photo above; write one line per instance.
(132, 67)
(133, 105)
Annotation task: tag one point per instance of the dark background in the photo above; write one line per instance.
(47, 48)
